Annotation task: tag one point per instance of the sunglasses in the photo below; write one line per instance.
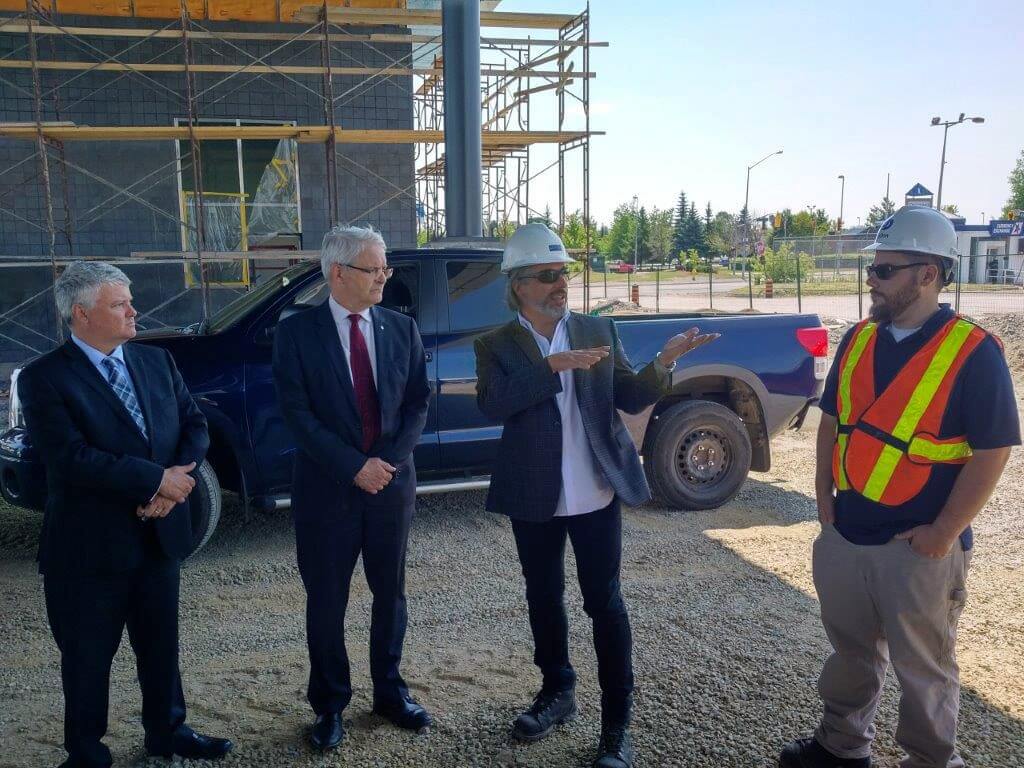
(547, 275)
(885, 271)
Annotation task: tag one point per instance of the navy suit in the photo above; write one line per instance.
(335, 521)
(516, 385)
(103, 567)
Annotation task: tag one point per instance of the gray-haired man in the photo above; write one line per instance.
(118, 434)
(352, 384)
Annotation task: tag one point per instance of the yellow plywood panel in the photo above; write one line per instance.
(242, 10)
(168, 9)
(95, 7)
(12, 5)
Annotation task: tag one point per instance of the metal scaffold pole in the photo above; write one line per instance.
(44, 162)
(333, 214)
(197, 167)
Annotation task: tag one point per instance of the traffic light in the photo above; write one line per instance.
(777, 223)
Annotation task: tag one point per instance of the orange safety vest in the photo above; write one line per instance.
(886, 445)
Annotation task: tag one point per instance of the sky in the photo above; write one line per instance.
(690, 93)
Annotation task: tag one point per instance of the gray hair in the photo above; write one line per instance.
(343, 244)
(510, 295)
(81, 282)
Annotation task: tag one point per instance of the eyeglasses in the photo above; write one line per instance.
(885, 271)
(374, 271)
(547, 275)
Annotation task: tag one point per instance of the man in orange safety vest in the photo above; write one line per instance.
(918, 416)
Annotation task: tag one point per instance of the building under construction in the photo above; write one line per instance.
(202, 144)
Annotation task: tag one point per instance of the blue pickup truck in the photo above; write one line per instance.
(698, 443)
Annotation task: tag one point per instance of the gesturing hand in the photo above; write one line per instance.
(577, 358)
(177, 484)
(160, 506)
(684, 342)
(375, 475)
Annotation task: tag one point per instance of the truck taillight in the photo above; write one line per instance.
(815, 341)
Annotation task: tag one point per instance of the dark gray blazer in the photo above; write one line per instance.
(516, 386)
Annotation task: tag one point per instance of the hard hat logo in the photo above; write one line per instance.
(888, 224)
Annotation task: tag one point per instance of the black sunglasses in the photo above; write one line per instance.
(547, 275)
(885, 271)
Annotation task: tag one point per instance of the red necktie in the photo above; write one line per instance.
(362, 381)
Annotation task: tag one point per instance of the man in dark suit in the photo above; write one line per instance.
(555, 379)
(119, 435)
(352, 384)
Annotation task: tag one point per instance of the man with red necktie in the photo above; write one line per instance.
(352, 385)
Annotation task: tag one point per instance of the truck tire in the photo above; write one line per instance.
(698, 455)
(204, 506)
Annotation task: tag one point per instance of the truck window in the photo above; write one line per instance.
(476, 294)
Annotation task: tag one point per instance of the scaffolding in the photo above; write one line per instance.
(516, 74)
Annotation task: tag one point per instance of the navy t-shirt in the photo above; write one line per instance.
(982, 406)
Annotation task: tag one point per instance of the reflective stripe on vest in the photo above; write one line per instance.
(886, 445)
(864, 334)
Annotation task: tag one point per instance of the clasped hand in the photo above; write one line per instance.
(375, 475)
(175, 486)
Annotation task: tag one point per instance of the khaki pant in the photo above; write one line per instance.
(882, 603)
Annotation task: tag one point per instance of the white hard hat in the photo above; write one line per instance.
(918, 229)
(533, 244)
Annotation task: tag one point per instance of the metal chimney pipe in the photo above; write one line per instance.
(460, 29)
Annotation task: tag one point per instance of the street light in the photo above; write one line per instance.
(937, 121)
(746, 211)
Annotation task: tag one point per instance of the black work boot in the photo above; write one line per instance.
(808, 753)
(615, 749)
(549, 708)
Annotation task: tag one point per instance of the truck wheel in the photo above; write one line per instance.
(698, 455)
(204, 506)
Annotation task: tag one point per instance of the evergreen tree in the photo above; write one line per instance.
(679, 225)
(694, 231)
(708, 224)
(881, 212)
(643, 238)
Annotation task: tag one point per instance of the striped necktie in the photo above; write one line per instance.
(119, 383)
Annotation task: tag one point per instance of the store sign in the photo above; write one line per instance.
(1005, 228)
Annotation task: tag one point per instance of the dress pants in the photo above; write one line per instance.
(87, 616)
(328, 544)
(887, 603)
(597, 542)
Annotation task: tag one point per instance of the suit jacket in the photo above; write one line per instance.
(318, 403)
(99, 467)
(515, 385)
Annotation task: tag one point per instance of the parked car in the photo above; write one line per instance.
(698, 442)
(622, 267)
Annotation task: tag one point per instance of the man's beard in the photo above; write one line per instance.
(548, 310)
(892, 307)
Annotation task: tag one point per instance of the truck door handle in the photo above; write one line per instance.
(429, 356)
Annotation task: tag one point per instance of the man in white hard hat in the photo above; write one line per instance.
(918, 416)
(555, 379)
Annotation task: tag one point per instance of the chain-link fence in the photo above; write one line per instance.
(823, 275)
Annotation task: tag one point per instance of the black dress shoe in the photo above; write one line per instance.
(549, 709)
(405, 713)
(327, 731)
(808, 753)
(615, 749)
(190, 745)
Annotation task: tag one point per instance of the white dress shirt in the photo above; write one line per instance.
(584, 486)
(344, 326)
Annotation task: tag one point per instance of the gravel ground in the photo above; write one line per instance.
(727, 637)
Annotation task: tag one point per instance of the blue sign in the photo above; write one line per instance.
(1006, 228)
